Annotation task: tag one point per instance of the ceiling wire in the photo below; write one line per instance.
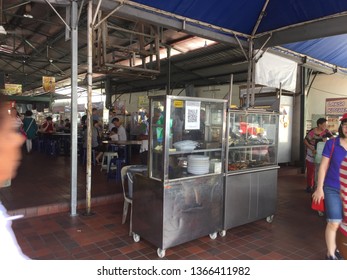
(333, 93)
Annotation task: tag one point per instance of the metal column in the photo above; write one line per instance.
(89, 122)
(74, 75)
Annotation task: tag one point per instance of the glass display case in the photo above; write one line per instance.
(186, 137)
(181, 199)
(250, 189)
(252, 140)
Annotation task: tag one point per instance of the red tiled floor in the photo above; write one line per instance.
(297, 232)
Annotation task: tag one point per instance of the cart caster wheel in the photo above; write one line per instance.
(136, 237)
(269, 219)
(223, 233)
(213, 235)
(161, 253)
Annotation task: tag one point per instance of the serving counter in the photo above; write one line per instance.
(250, 187)
(181, 199)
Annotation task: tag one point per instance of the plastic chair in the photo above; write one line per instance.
(116, 163)
(106, 160)
(127, 201)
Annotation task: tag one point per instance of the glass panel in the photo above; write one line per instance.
(157, 121)
(197, 133)
(252, 140)
(190, 133)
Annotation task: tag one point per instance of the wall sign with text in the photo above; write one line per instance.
(335, 106)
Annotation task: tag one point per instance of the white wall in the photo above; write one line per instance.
(323, 87)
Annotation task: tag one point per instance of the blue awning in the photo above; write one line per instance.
(302, 26)
(330, 49)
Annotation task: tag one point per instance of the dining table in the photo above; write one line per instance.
(61, 141)
(127, 144)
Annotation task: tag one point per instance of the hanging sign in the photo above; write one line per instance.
(11, 89)
(48, 84)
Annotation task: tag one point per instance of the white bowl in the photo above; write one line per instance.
(186, 148)
(186, 145)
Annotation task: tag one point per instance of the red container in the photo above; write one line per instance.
(318, 206)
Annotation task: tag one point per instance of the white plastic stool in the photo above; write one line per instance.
(106, 159)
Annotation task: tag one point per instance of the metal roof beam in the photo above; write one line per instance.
(303, 32)
(170, 23)
(303, 61)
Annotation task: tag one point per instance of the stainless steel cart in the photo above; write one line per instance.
(181, 199)
(250, 189)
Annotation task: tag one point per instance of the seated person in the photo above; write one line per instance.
(67, 125)
(122, 135)
(61, 126)
(114, 134)
(47, 128)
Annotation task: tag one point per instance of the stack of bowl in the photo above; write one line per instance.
(198, 164)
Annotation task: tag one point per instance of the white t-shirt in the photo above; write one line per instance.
(9, 248)
(114, 137)
(122, 135)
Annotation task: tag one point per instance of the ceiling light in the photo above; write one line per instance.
(28, 16)
(27, 12)
(2, 30)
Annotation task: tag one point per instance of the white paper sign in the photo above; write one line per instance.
(192, 115)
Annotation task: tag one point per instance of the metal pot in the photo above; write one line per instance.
(182, 162)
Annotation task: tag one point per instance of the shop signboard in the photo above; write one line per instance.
(143, 101)
(48, 84)
(58, 109)
(12, 89)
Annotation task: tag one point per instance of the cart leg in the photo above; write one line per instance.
(136, 237)
(270, 218)
(213, 235)
(161, 253)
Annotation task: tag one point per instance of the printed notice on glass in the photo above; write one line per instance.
(192, 116)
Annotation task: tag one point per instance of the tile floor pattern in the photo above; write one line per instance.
(296, 233)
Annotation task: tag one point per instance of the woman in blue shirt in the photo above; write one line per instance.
(328, 186)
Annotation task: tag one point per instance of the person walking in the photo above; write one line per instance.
(328, 186)
(314, 136)
(10, 154)
(30, 128)
(16, 120)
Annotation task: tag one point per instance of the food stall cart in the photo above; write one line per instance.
(181, 199)
(250, 190)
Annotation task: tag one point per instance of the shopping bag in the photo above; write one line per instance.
(23, 133)
(318, 206)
